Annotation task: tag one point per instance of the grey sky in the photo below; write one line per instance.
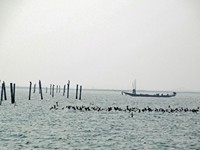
(101, 43)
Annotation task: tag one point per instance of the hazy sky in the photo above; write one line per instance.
(101, 43)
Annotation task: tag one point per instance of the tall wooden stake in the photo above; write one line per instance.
(4, 89)
(2, 92)
(64, 90)
(76, 91)
(30, 90)
(34, 89)
(50, 89)
(68, 84)
(53, 91)
(80, 92)
(40, 89)
(12, 93)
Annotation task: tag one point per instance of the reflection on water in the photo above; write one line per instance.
(31, 124)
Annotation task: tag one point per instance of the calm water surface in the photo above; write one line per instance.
(32, 125)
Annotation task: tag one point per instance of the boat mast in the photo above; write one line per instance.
(135, 84)
(134, 87)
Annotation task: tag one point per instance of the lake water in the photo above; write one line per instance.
(32, 125)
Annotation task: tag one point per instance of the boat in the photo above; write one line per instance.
(134, 94)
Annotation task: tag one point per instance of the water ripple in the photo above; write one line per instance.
(31, 125)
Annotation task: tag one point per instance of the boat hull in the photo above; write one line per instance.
(149, 95)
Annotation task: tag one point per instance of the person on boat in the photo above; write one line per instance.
(134, 91)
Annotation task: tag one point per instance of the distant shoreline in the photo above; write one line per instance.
(117, 90)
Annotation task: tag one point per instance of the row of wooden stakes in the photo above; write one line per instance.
(52, 87)
(52, 90)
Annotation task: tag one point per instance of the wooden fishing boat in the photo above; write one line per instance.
(149, 95)
(134, 94)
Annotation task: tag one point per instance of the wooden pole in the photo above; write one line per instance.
(2, 92)
(29, 97)
(50, 89)
(14, 92)
(40, 89)
(46, 89)
(34, 88)
(53, 91)
(59, 88)
(64, 90)
(80, 92)
(76, 91)
(4, 89)
(11, 93)
(68, 84)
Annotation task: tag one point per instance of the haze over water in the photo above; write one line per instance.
(100, 44)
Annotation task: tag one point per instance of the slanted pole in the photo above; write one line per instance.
(29, 97)
(2, 92)
(40, 89)
(76, 91)
(4, 89)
